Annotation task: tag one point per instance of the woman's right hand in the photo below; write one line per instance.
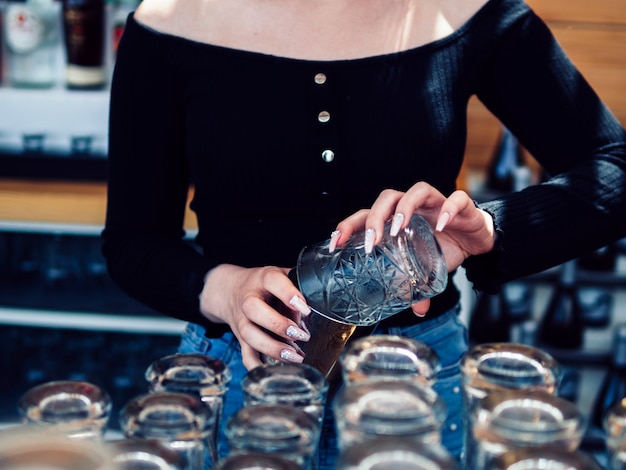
(242, 298)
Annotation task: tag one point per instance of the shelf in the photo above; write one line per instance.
(89, 321)
(55, 120)
(52, 206)
(53, 167)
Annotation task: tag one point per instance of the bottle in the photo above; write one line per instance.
(519, 297)
(562, 324)
(84, 27)
(603, 259)
(120, 14)
(490, 321)
(597, 301)
(1, 43)
(614, 427)
(613, 387)
(31, 32)
(508, 158)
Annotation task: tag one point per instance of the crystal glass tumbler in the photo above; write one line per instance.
(509, 419)
(197, 374)
(353, 287)
(328, 338)
(282, 430)
(78, 409)
(390, 357)
(180, 421)
(349, 288)
(367, 410)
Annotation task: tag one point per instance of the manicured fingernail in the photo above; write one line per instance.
(333, 240)
(396, 223)
(289, 355)
(442, 222)
(297, 334)
(305, 328)
(300, 305)
(370, 236)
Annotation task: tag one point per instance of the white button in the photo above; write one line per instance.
(320, 78)
(323, 116)
(453, 427)
(456, 389)
(328, 155)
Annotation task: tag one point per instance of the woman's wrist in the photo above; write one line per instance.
(213, 300)
(491, 229)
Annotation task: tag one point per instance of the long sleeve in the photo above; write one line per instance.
(531, 85)
(148, 183)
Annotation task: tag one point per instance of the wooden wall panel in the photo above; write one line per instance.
(593, 33)
(594, 36)
(581, 11)
(50, 202)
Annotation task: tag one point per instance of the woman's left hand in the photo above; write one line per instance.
(461, 228)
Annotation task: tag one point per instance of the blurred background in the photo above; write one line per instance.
(60, 315)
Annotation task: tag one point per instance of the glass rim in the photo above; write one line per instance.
(169, 372)
(95, 399)
(198, 419)
(540, 364)
(303, 373)
(493, 408)
(423, 357)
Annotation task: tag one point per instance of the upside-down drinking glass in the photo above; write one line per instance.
(389, 357)
(197, 374)
(348, 287)
(490, 367)
(76, 408)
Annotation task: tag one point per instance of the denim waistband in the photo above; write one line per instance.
(439, 305)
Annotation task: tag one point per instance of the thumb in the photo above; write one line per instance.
(420, 308)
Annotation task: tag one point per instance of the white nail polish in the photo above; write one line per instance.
(442, 222)
(396, 223)
(288, 355)
(300, 305)
(297, 333)
(332, 244)
(370, 236)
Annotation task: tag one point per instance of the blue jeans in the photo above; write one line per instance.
(446, 335)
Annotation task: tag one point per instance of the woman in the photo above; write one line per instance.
(289, 118)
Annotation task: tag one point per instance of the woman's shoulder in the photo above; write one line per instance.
(168, 16)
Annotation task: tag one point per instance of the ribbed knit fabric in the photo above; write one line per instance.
(243, 128)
